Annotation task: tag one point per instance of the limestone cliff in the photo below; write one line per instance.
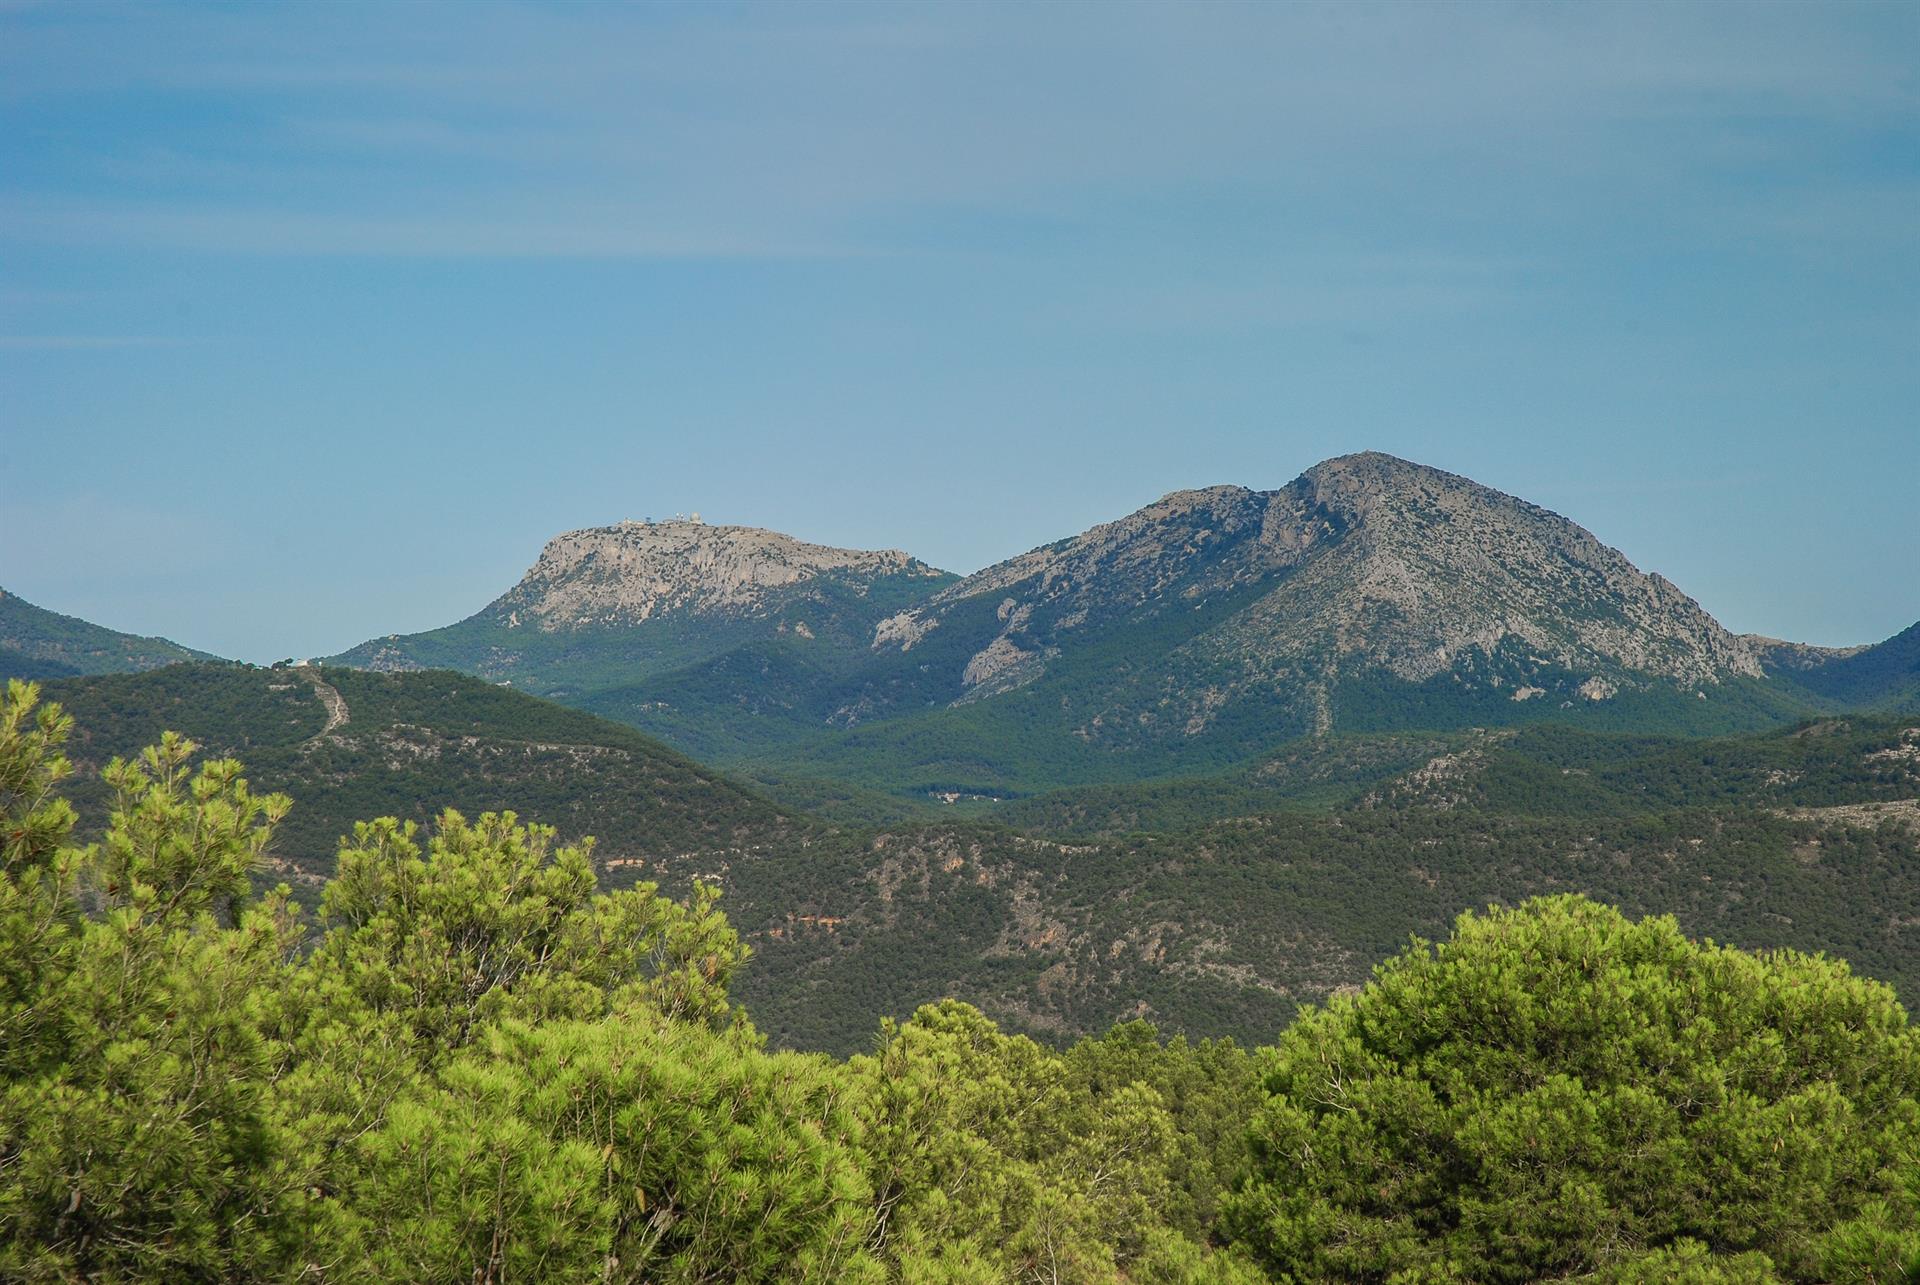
(639, 571)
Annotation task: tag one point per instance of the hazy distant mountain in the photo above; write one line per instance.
(611, 606)
(1884, 676)
(37, 643)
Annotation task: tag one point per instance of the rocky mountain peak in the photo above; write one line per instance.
(1429, 567)
(637, 571)
(1384, 494)
(1364, 563)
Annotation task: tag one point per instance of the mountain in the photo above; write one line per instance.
(610, 609)
(1884, 676)
(1371, 594)
(1366, 565)
(1204, 631)
(37, 643)
(350, 745)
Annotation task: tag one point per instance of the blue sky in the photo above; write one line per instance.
(316, 320)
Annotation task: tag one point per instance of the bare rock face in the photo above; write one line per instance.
(1144, 553)
(384, 659)
(640, 571)
(1778, 654)
(1188, 544)
(1364, 564)
(1429, 567)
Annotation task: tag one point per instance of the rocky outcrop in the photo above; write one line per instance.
(639, 571)
(1428, 568)
(608, 608)
(1778, 654)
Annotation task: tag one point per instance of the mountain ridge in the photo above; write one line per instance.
(1369, 594)
(38, 643)
(349, 745)
(652, 596)
(633, 571)
(1882, 676)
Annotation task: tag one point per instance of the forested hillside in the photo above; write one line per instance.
(1883, 677)
(474, 1063)
(351, 745)
(1225, 930)
(37, 643)
(1213, 906)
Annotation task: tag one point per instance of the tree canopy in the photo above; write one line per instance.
(1557, 1092)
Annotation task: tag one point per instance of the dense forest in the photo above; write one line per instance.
(473, 1063)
